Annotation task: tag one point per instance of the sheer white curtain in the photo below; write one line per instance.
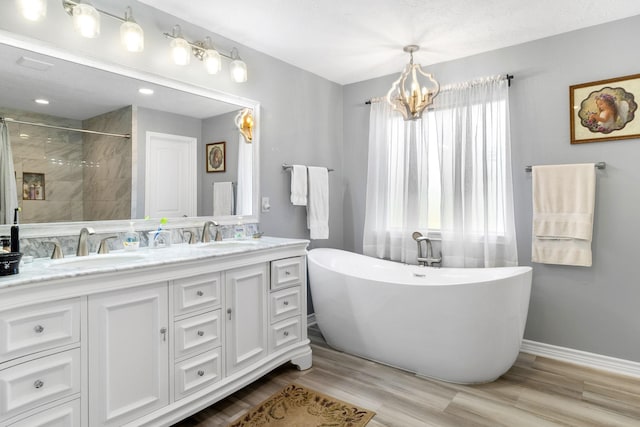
(447, 175)
(397, 202)
(471, 126)
(244, 186)
(8, 191)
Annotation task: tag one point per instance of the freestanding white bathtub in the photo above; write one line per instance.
(462, 325)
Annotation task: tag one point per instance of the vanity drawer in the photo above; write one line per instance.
(285, 304)
(286, 272)
(197, 372)
(197, 334)
(195, 293)
(284, 333)
(64, 415)
(28, 385)
(39, 327)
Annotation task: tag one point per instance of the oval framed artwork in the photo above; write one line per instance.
(605, 110)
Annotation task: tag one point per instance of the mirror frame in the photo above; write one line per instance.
(71, 228)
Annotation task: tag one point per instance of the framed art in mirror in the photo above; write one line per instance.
(216, 157)
(605, 110)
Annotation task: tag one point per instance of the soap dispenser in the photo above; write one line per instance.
(131, 240)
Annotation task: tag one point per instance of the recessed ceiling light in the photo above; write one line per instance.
(24, 136)
(41, 101)
(145, 91)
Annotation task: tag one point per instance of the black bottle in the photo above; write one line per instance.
(15, 233)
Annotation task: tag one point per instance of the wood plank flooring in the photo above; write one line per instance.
(536, 391)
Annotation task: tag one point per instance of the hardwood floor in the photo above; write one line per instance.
(536, 391)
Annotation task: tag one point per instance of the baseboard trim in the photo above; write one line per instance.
(578, 357)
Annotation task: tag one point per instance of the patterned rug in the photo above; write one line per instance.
(299, 406)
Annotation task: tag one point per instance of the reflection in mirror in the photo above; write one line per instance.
(67, 175)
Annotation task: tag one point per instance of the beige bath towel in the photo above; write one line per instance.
(563, 205)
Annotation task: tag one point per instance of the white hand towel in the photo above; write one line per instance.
(563, 206)
(299, 185)
(318, 206)
(222, 198)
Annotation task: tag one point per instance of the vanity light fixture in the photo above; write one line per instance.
(180, 47)
(412, 99)
(131, 34)
(33, 10)
(238, 68)
(181, 50)
(86, 20)
(245, 123)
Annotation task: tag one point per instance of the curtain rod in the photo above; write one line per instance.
(287, 167)
(119, 135)
(599, 165)
(507, 77)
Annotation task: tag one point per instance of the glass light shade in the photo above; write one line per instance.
(132, 36)
(180, 51)
(212, 61)
(33, 10)
(86, 20)
(238, 70)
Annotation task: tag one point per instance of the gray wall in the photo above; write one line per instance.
(591, 309)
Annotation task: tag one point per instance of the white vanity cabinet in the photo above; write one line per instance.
(246, 316)
(152, 344)
(128, 354)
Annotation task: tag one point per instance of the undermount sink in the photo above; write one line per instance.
(97, 261)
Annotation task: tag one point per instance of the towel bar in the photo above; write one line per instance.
(287, 167)
(599, 165)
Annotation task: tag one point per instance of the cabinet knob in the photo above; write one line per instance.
(39, 329)
(286, 333)
(200, 373)
(200, 293)
(38, 384)
(287, 273)
(200, 333)
(286, 303)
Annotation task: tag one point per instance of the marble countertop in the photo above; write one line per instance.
(47, 269)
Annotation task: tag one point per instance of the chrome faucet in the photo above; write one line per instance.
(427, 260)
(83, 246)
(206, 233)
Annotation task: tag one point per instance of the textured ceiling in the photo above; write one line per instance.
(346, 41)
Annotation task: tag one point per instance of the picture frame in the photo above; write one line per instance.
(605, 110)
(33, 186)
(216, 157)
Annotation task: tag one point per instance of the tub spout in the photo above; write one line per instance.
(426, 259)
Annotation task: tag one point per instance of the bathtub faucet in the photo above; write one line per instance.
(428, 259)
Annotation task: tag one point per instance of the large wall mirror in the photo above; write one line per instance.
(70, 176)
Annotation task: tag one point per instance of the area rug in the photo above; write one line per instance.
(302, 407)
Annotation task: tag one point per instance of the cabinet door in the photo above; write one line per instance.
(246, 316)
(128, 354)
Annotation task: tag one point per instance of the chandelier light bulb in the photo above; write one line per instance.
(33, 10)
(86, 20)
